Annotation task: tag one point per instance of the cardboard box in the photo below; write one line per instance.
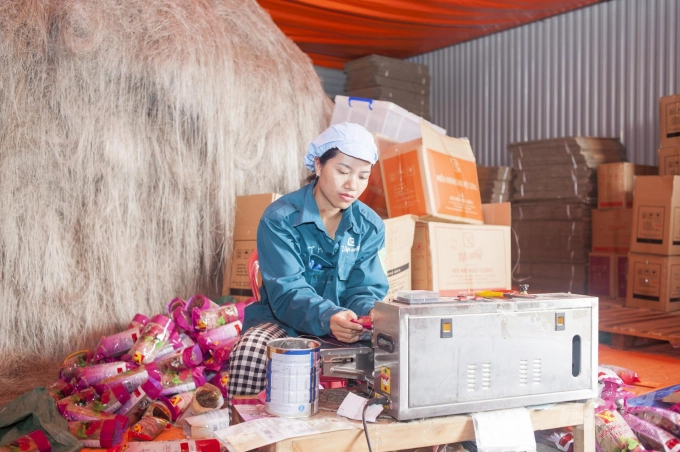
(460, 259)
(611, 230)
(239, 285)
(615, 183)
(499, 213)
(433, 177)
(669, 161)
(669, 117)
(653, 282)
(605, 275)
(399, 233)
(249, 210)
(374, 195)
(656, 215)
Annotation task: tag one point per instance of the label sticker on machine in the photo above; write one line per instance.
(385, 380)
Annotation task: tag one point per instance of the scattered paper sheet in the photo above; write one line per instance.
(353, 405)
(260, 432)
(504, 431)
(251, 412)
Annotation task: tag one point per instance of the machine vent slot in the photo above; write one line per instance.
(486, 375)
(523, 372)
(537, 371)
(472, 377)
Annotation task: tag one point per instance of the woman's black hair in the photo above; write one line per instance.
(329, 154)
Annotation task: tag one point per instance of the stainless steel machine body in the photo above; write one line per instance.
(455, 357)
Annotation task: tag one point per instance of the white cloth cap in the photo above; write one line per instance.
(351, 139)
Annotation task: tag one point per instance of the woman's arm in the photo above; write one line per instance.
(367, 282)
(293, 301)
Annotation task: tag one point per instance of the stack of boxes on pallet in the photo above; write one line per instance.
(654, 260)
(496, 183)
(612, 220)
(381, 78)
(555, 191)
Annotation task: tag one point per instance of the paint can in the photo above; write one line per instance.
(293, 373)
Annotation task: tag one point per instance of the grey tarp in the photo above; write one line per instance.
(36, 410)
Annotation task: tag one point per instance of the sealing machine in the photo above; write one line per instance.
(435, 356)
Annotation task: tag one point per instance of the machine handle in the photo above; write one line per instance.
(361, 99)
(385, 342)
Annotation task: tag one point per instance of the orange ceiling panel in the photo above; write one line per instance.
(333, 32)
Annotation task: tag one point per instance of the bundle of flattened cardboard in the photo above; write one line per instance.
(382, 78)
(496, 183)
(556, 189)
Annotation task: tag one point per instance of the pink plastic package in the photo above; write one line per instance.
(139, 321)
(81, 398)
(666, 419)
(208, 319)
(74, 413)
(36, 441)
(110, 400)
(615, 396)
(130, 379)
(91, 375)
(180, 359)
(100, 433)
(178, 403)
(140, 399)
(182, 381)
(60, 389)
(561, 439)
(213, 337)
(221, 380)
(72, 362)
(116, 344)
(651, 436)
(613, 433)
(154, 336)
(222, 351)
(628, 376)
(174, 304)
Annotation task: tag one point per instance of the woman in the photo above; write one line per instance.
(320, 252)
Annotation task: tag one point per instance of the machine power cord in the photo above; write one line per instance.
(373, 401)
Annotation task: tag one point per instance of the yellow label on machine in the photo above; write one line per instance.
(385, 380)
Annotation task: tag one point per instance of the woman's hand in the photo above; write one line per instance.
(344, 329)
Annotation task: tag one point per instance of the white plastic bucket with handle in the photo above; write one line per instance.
(293, 373)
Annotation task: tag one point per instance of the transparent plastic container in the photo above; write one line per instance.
(379, 116)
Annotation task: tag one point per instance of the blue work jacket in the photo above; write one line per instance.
(307, 276)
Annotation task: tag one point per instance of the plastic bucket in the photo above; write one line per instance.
(293, 373)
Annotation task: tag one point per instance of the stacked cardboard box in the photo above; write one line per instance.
(496, 183)
(654, 260)
(669, 151)
(612, 227)
(382, 78)
(556, 189)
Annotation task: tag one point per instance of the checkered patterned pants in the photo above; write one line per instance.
(248, 361)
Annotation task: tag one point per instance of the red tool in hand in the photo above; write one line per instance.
(364, 321)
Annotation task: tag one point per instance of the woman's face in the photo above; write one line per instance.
(341, 180)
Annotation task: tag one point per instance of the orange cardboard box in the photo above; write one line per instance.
(669, 161)
(434, 178)
(374, 195)
(653, 282)
(615, 182)
(611, 230)
(669, 116)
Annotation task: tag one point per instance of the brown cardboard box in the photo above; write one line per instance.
(604, 274)
(499, 213)
(653, 282)
(374, 195)
(669, 161)
(669, 117)
(460, 259)
(656, 215)
(249, 210)
(611, 230)
(399, 234)
(239, 283)
(622, 276)
(615, 183)
(433, 177)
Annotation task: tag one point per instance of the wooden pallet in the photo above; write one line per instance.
(629, 325)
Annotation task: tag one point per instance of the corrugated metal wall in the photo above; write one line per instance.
(597, 71)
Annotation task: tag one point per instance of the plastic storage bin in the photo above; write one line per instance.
(381, 117)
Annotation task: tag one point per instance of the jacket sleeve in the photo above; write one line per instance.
(367, 282)
(293, 301)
